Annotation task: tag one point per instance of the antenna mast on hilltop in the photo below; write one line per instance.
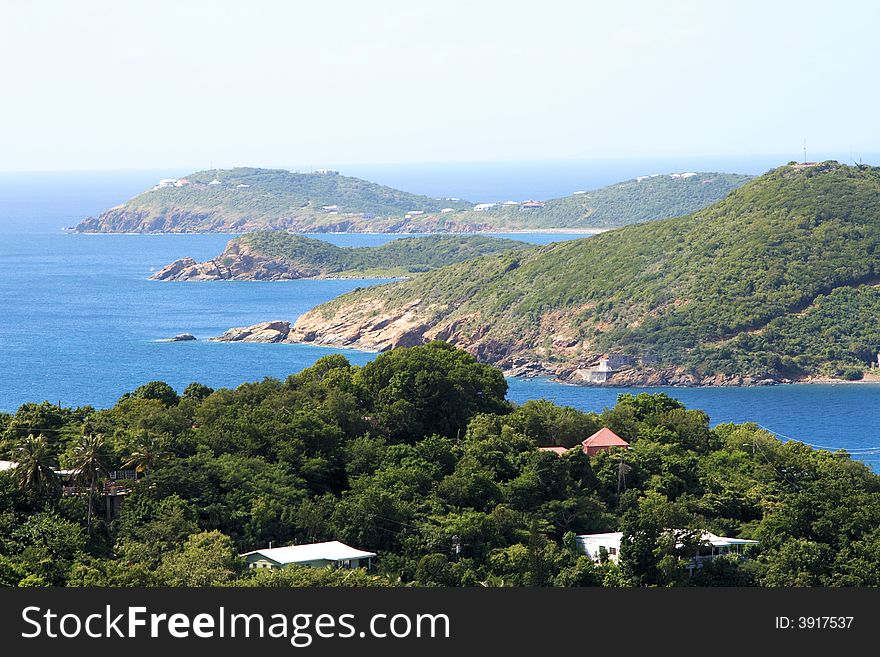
(805, 150)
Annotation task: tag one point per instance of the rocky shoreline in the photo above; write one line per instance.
(238, 262)
(513, 365)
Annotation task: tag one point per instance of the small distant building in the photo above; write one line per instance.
(559, 451)
(578, 193)
(712, 546)
(215, 182)
(327, 172)
(242, 186)
(181, 182)
(167, 182)
(604, 440)
(329, 207)
(482, 207)
(311, 555)
(415, 213)
(510, 203)
(447, 210)
(607, 366)
(532, 204)
(688, 174)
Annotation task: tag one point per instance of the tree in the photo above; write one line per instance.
(35, 471)
(433, 388)
(89, 464)
(147, 453)
(158, 390)
(206, 559)
(196, 391)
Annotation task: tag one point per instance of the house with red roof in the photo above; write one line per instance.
(604, 440)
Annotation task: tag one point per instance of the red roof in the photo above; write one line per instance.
(605, 437)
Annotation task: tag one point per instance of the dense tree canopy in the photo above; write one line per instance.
(418, 457)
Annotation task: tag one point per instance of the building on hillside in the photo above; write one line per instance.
(327, 172)
(447, 210)
(532, 204)
(607, 366)
(604, 440)
(215, 182)
(167, 182)
(329, 208)
(311, 555)
(711, 547)
(482, 207)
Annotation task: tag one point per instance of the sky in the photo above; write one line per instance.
(93, 85)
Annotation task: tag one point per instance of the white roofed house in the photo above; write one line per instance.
(711, 546)
(310, 555)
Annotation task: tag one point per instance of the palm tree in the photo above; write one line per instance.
(35, 469)
(90, 463)
(147, 453)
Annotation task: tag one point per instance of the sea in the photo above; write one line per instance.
(81, 324)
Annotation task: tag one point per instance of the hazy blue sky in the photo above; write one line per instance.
(103, 85)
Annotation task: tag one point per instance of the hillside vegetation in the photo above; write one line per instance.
(278, 255)
(630, 202)
(775, 281)
(418, 457)
(248, 199)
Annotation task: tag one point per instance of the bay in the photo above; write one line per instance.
(80, 324)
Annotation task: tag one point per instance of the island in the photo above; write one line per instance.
(247, 199)
(776, 283)
(282, 256)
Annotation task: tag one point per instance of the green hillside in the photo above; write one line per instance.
(247, 199)
(401, 256)
(777, 280)
(278, 255)
(630, 202)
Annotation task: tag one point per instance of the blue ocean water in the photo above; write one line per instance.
(80, 323)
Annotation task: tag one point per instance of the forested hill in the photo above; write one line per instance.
(778, 281)
(246, 199)
(630, 202)
(278, 255)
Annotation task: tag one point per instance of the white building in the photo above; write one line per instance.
(215, 182)
(167, 182)
(713, 546)
(327, 172)
(311, 555)
(447, 210)
(329, 207)
(482, 207)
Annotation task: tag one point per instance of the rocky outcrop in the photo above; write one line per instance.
(276, 331)
(237, 263)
